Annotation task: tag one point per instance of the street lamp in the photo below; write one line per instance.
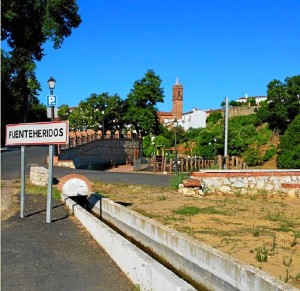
(103, 134)
(51, 84)
(215, 148)
(175, 125)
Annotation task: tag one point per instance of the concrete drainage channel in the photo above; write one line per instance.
(164, 257)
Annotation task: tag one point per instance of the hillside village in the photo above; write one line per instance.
(196, 118)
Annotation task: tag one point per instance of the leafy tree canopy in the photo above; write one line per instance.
(283, 103)
(214, 117)
(289, 148)
(26, 26)
(98, 111)
(140, 105)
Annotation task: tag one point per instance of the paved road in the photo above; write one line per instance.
(37, 156)
(39, 256)
(61, 256)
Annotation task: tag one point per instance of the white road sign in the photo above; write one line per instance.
(56, 132)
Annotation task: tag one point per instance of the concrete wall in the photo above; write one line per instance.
(140, 268)
(208, 268)
(102, 152)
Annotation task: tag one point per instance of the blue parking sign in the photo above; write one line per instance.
(51, 100)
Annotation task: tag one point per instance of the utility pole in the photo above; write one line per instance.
(226, 127)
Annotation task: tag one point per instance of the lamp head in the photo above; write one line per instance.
(51, 83)
(175, 123)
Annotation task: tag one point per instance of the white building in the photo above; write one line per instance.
(192, 119)
(195, 119)
(258, 99)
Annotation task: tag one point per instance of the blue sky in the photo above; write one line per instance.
(217, 48)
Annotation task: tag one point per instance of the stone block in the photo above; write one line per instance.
(225, 189)
(39, 176)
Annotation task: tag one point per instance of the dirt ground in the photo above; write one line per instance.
(259, 230)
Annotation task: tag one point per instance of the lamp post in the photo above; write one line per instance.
(51, 84)
(175, 125)
(103, 133)
(215, 148)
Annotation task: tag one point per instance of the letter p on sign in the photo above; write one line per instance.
(51, 100)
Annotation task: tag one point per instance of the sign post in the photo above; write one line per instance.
(50, 180)
(22, 195)
(39, 133)
(51, 102)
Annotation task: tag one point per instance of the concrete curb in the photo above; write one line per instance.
(140, 268)
(207, 267)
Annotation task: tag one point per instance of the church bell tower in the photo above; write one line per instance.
(177, 100)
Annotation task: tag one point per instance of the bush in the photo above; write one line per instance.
(269, 153)
(177, 179)
(252, 157)
(289, 148)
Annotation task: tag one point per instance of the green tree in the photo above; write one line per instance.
(140, 105)
(63, 112)
(214, 117)
(26, 26)
(98, 111)
(289, 147)
(148, 146)
(283, 103)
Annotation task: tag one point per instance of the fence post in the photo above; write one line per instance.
(227, 162)
(220, 162)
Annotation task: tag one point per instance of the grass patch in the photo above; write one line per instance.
(281, 218)
(194, 210)
(162, 197)
(282, 229)
(262, 254)
(43, 190)
(257, 231)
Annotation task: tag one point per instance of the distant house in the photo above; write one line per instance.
(195, 118)
(246, 98)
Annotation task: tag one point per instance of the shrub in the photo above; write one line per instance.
(252, 157)
(289, 153)
(177, 179)
(269, 153)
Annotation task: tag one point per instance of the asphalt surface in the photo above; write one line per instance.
(36, 255)
(37, 156)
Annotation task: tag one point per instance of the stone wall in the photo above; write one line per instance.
(39, 176)
(238, 110)
(251, 181)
